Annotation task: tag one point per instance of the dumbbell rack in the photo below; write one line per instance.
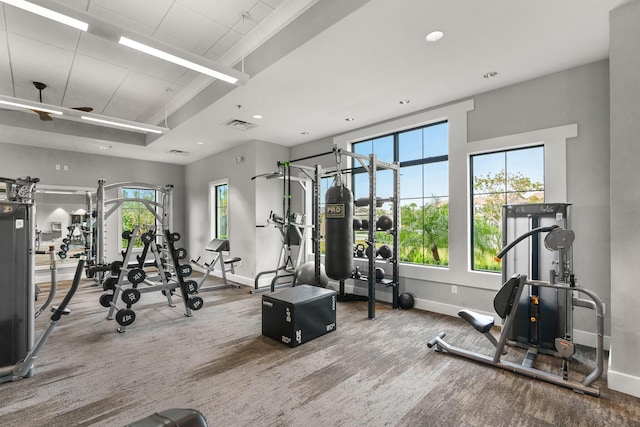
(136, 275)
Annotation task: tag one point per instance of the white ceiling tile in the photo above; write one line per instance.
(132, 97)
(121, 20)
(225, 12)
(273, 3)
(192, 27)
(177, 43)
(76, 4)
(224, 44)
(37, 61)
(149, 13)
(106, 51)
(38, 28)
(6, 84)
(154, 67)
(256, 15)
(187, 78)
(92, 83)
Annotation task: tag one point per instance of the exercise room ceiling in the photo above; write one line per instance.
(311, 64)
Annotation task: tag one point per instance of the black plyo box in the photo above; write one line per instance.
(298, 314)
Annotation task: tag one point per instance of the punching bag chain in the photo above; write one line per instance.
(338, 154)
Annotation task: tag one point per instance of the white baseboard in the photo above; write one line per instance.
(624, 383)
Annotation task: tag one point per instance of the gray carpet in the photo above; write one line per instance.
(366, 373)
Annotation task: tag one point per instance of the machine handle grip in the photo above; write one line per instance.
(524, 236)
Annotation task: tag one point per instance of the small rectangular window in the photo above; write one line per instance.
(504, 177)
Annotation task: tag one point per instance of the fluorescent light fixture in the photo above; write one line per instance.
(29, 107)
(119, 124)
(176, 60)
(47, 13)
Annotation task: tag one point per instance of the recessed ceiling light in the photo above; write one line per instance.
(434, 36)
(257, 116)
(404, 101)
(199, 142)
(304, 133)
(490, 74)
(104, 147)
(349, 119)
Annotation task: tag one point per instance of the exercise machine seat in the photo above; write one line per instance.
(479, 321)
(217, 245)
(173, 418)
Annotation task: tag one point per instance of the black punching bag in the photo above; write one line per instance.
(338, 235)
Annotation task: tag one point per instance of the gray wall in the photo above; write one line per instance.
(577, 96)
(250, 202)
(84, 170)
(624, 371)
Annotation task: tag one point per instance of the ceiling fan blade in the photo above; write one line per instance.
(85, 109)
(44, 116)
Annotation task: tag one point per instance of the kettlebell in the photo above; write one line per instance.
(360, 250)
(356, 272)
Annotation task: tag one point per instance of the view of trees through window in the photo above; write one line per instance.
(505, 177)
(424, 191)
(136, 213)
(222, 210)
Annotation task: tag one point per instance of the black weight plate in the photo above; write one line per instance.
(181, 253)
(126, 235)
(105, 300)
(131, 296)
(174, 237)
(185, 270)
(125, 317)
(191, 287)
(115, 267)
(62, 255)
(195, 303)
(146, 238)
(110, 283)
(136, 275)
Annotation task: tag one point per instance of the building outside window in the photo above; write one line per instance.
(424, 191)
(499, 178)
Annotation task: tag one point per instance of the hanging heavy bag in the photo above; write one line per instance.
(338, 232)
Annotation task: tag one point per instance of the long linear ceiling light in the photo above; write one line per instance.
(80, 116)
(125, 37)
(29, 107)
(48, 13)
(176, 60)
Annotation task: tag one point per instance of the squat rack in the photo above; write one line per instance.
(371, 165)
(162, 210)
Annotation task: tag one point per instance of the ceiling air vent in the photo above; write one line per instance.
(180, 152)
(239, 124)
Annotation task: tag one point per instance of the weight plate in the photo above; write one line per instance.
(115, 267)
(191, 287)
(136, 275)
(125, 317)
(195, 303)
(105, 300)
(181, 253)
(110, 283)
(62, 255)
(185, 270)
(174, 237)
(131, 296)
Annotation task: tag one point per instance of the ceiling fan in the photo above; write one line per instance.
(46, 116)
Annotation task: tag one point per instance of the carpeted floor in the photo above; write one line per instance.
(366, 373)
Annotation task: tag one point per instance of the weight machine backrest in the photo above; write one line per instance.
(504, 299)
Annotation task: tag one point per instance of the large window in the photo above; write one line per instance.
(499, 178)
(424, 190)
(136, 213)
(221, 211)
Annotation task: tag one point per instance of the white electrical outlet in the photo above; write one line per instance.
(57, 167)
(454, 289)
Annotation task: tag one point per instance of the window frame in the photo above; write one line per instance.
(554, 140)
(395, 138)
(213, 207)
